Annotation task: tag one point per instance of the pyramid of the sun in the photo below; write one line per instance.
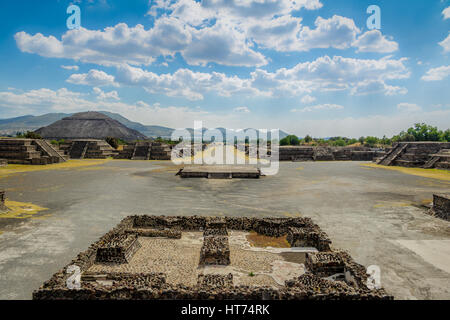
(89, 125)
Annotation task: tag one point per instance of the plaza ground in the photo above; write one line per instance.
(374, 213)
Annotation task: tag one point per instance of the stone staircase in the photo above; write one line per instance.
(78, 149)
(440, 160)
(48, 150)
(160, 151)
(390, 157)
(141, 151)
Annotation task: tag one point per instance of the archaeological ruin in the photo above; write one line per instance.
(441, 206)
(29, 151)
(3, 207)
(417, 154)
(89, 125)
(212, 258)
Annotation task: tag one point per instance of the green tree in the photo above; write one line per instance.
(290, 141)
(371, 141)
(308, 138)
(424, 132)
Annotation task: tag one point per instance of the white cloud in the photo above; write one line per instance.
(409, 107)
(337, 32)
(376, 86)
(446, 13)
(241, 110)
(307, 99)
(437, 74)
(320, 107)
(196, 13)
(101, 95)
(375, 41)
(75, 68)
(92, 78)
(186, 83)
(222, 44)
(359, 76)
(445, 44)
(219, 31)
(120, 44)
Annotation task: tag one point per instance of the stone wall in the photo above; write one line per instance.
(310, 286)
(29, 151)
(3, 207)
(290, 153)
(3, 162)
(441, 206)
(413, 154)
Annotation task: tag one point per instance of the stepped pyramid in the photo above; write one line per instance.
(89, 125)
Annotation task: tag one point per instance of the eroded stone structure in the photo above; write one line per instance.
(144, 150)
(300, 153)
(441, 206)
(115, 266)
(417, 154)
(3, 162)
(29, 151)
(3, 207)
(87, 149)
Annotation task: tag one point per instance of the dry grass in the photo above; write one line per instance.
(426, 173)
(260, 241)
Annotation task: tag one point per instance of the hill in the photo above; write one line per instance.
(31, 123)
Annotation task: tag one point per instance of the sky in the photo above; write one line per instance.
(304, 66)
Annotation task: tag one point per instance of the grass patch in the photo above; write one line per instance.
(258, 240)
(439, 174)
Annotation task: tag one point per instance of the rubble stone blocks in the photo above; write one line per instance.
(216, 227)
(117, 246)
(3, 162)
(301, 237)
(152, 233)
(441, 206)
(325, 264)
(215, 280)
(215, 251)
(119, 249)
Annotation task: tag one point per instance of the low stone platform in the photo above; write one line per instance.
(441, 206)
(220, 172)
(3, 208)
(214, 258)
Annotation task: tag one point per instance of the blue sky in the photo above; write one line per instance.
(305, 66)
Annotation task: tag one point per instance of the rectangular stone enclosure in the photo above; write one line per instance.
(200, 258)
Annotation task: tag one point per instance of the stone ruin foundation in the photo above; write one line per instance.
(441, 206)
(3, 162)
(417, 155)
(3, 207)
(201, 258)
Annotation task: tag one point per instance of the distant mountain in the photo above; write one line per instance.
(31, 123)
